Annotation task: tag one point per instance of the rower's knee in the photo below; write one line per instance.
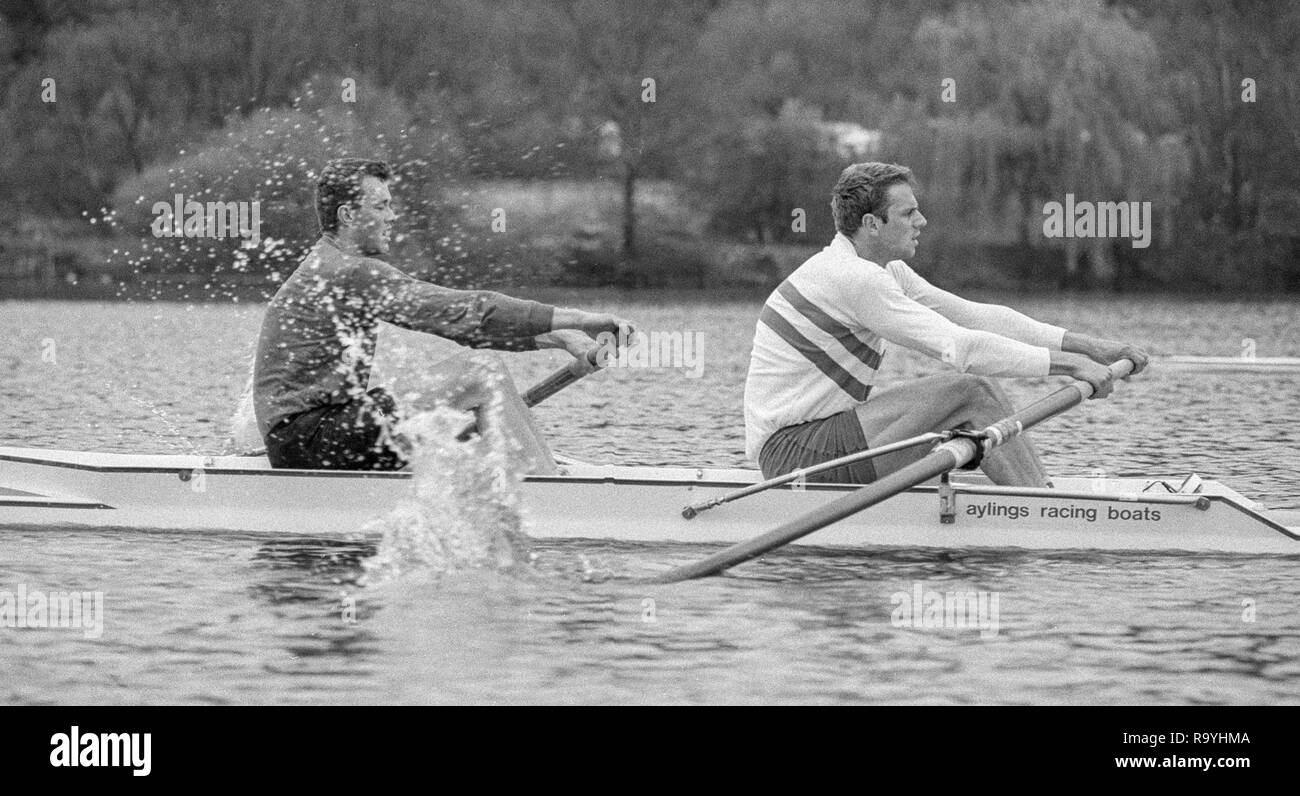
(981, 391)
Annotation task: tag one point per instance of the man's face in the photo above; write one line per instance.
(899, 237)
(372, 218)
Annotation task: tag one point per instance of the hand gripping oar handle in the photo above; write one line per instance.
(945, 457)
(545, 388)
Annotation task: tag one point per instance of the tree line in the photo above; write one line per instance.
(749, 107)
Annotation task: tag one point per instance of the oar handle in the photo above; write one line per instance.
(560, 379)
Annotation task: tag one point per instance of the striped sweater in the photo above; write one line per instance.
(823, 332)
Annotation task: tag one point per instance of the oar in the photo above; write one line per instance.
(1229, 364)
(953, 453)
(545, 388)
(691, 511)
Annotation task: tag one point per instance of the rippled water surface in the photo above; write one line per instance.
(244, 619)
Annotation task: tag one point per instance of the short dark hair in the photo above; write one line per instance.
(864, 188)
(340, 184)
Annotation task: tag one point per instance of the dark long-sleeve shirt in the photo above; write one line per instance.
(318, 337)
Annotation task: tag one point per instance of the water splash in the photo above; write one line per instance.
(175, 435)
(463, 511)
(244, 438)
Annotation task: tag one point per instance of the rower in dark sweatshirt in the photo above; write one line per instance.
(314, 404)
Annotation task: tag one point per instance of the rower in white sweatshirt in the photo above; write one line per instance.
(823, 332)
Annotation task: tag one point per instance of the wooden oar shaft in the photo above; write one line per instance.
(953, 453)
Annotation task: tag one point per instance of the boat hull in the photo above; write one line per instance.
(55, 489)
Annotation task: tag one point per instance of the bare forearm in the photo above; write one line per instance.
(1068, 363)
(565, 318)
(573, 330)
(592, 323)
(1077, 343)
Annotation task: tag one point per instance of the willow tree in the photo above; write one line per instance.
(1051, 99)
(1235, 67)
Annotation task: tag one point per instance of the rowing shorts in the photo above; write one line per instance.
(817, 441)
(351, 436)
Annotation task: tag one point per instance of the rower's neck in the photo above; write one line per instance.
(342, 244)
(865, 251)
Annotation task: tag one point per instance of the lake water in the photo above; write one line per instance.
(243, 619)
